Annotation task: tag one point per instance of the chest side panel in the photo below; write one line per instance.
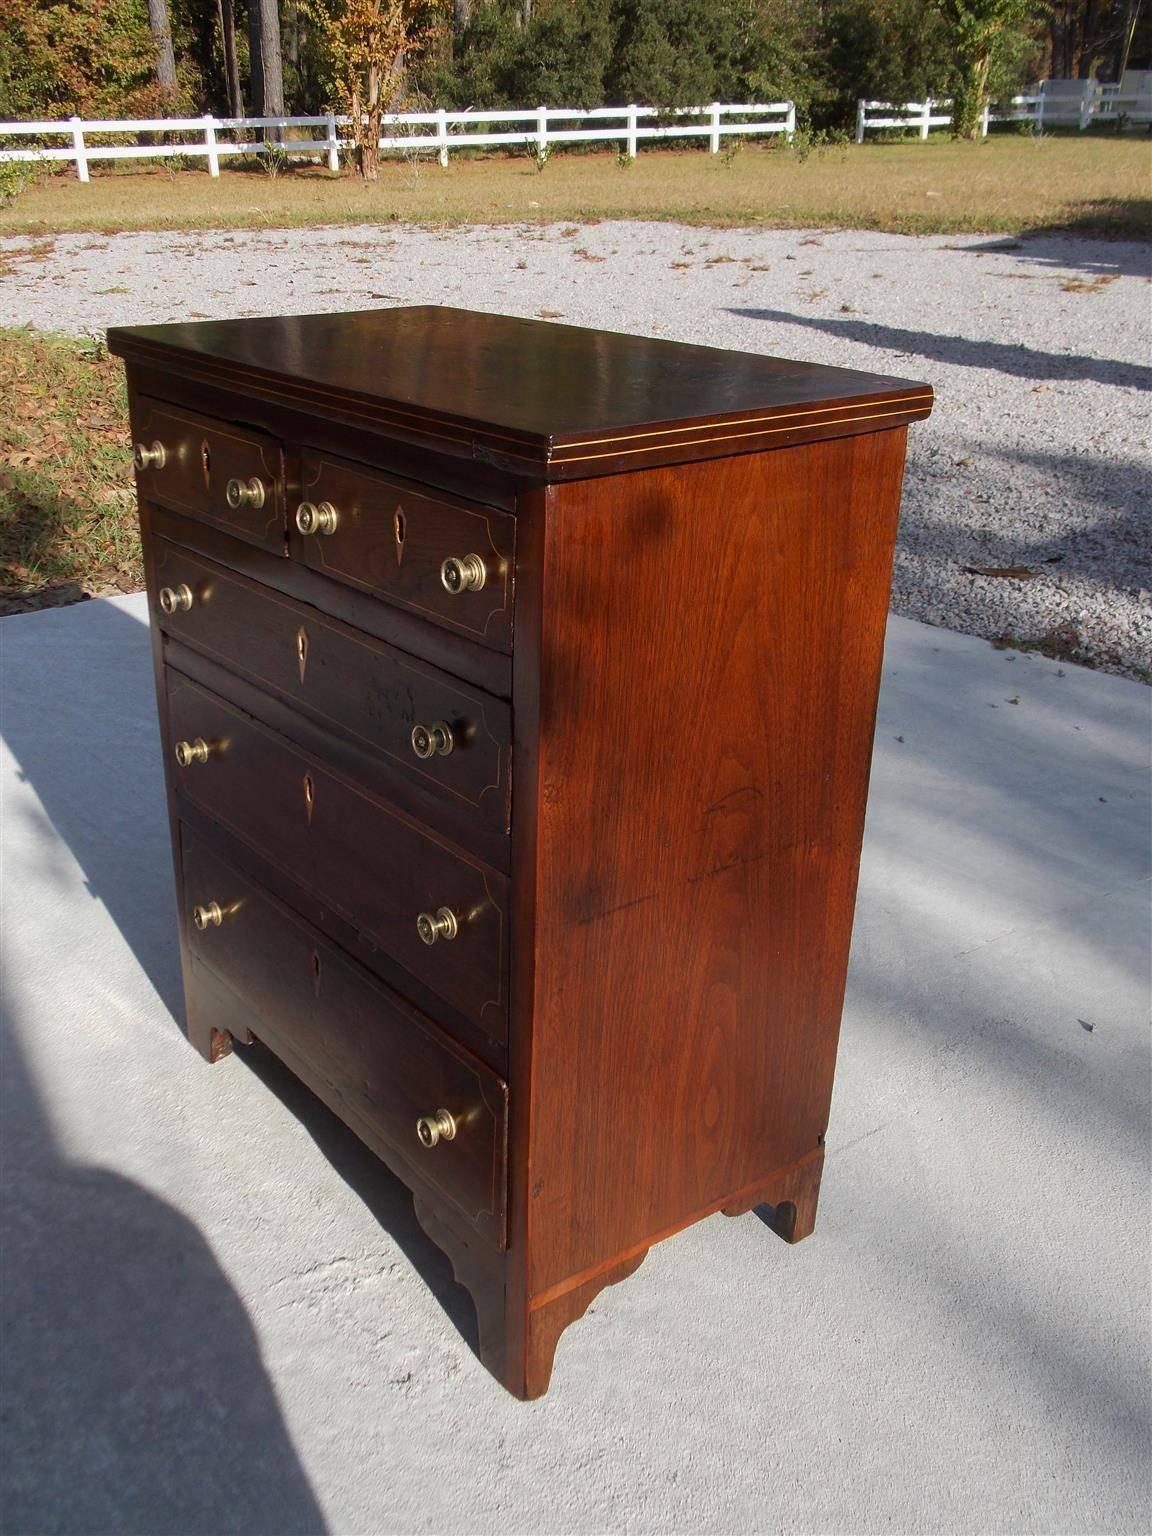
(711, 644)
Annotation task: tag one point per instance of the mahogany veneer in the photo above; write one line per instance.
(614, 766)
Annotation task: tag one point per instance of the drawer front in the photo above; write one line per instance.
(392, 540)
(375, 869)
(372, 692)
(224, 475)
(370, 1050)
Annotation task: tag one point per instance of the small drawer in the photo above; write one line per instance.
(400, 1076)
(223, 475)
(441, 734)
(438, 913)
(449, 562)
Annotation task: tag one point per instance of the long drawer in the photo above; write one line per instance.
(440, 914)
(400, 1077)
(228, 476)
(449, 562)
(440, 734)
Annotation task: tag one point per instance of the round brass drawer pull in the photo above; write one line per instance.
(149, 456)
(189, 752)
(438, 1127)
(432, 740)
(245, 493)
(210, 916)
(441, 926)
(175, 599)
(316, 518)
(466, 575)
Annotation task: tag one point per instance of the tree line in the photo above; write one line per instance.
(132, 58)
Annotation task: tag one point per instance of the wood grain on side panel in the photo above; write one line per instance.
(708, 685)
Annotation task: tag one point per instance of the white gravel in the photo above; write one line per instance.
(1037, 453)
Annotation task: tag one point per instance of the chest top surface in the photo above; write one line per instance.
(552, 401)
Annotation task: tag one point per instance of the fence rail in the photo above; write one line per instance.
(1054, 104)
(220, 137)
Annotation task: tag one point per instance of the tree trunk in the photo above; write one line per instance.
(272, 66)
(162, 38)
(461, 16)
(255, 63)
(226, 14)
(970, 94)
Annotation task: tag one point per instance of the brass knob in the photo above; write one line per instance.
(210, 916)
(173, 599)
(441, 926)
(432, 740)
(313, 518)
(466, 575)
(245, 493)
(149, 455)
(438, 1127)
(189, 752)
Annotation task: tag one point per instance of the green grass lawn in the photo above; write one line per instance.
(1008, 183)
(67, 498)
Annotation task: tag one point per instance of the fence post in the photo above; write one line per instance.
(631, 145)
(210, 144)
(332, 142)
(714, 135)
(790, 123)
(78, 146)
(984, 119)
(926, 117)
(442, 135)
(1086, 104)
(859, 122)
(542, 133)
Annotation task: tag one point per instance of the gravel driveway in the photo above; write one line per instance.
(1034, 463)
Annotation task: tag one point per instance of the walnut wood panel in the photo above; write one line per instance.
(391, 540)
(450, 819)
(690, 957)
(326, 429)
(375, 868)
(463, 658)
(540, 399)
(373, 1052)
(348, 681)
(200, 457)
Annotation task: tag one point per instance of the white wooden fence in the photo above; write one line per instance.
(1054, 104)
(219, 137)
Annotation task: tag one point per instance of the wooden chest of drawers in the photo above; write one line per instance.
(517, 685)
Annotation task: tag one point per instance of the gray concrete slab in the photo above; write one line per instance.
(220, 1316)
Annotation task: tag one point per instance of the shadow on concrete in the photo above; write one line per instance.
(134, 1396)
(960, 351)
(92, 720)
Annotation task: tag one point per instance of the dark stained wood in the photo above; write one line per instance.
(451, 818)
(201, 457)
(318, 914)
(656, 956)
(391, 540)
(690, 957)
(463, 658)
(376, 869)
(531, 396)
(369, 1050)
(349, 682)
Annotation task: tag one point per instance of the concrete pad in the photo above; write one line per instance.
(220, 1315)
